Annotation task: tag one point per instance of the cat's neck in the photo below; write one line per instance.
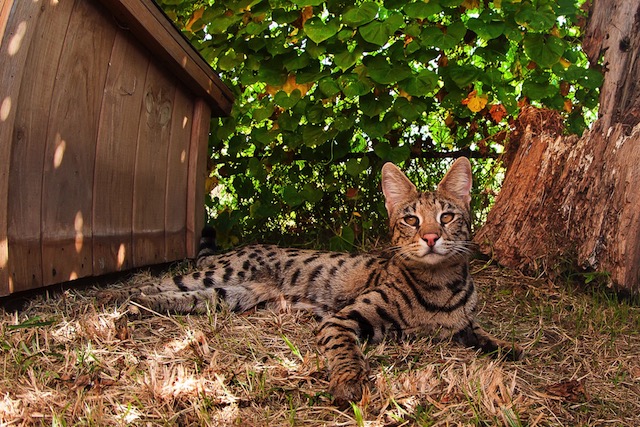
(440, 274)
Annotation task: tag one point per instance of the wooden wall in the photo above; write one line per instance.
(103, 148)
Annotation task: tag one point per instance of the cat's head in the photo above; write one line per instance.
(431, 227)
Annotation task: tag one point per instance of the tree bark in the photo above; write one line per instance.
(570, 202)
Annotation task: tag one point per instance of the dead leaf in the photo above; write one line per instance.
(121, 326)
(351, 193)
(475, 102)
(568, 105)
(570, 390)
(497, 112)
(194, 18)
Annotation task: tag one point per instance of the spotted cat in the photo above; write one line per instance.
(418, 285)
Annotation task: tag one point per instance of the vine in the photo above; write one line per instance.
(329, 90)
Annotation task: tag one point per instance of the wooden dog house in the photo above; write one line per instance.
(105, 112)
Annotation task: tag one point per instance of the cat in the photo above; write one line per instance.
(419, 285)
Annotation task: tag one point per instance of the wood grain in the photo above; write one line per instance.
(71, 139)
(197, 174)
(150, 25)
(5, 9)
(115, 156)
(149, 188)
(43, 41)
(177, 178)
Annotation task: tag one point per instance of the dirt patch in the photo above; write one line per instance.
(67, 361)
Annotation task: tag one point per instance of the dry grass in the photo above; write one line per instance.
(67, 361)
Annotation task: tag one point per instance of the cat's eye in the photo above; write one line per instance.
(411, 220)
(446, 217)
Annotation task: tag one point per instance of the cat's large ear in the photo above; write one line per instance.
(457, 181)
(396, 187)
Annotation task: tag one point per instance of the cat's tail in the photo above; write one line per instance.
(208, 245)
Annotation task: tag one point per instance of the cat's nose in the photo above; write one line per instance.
(431, 239)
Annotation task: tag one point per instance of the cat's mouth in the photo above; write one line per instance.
(430, 254)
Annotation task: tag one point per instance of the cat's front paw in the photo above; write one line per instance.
(514, 352)
(347, 389)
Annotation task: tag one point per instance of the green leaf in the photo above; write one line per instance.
(537, 90)
(463, 75)
(343, 123)
(291, 196)
(356, 166)
(262, 135)
(303, 3)
(486, 30)
(400, 154)
(444, 39)
(395, 155)
(297, 62)
(409, 110)
(345, 59)
(385, 73)
(319, 31)
(256, 169)
(329, 87)
(272, 75)
(343, 241)
(421, 84)
(314, 136)
(376, 32)
(539, 19)
(33, 322)
(421, 9)
(545, 50)
(281, 16)
(260, 114)
(372, 105)
(287, 101)
(592, 79)
(311, 193)
(360, 15)
(288, 121)
(352, 86)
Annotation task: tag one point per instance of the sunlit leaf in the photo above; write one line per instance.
(421, 9)
(376, 32)
(545, 50)
(352, 86)
(421, 84)
(319, 31)
(463, 75)
(445, 38)
(360, 15)
(381, 71)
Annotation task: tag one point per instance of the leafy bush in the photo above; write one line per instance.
(329, 90)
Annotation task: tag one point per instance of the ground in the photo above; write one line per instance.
(68, 361)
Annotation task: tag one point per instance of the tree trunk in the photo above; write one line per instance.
(575, 202)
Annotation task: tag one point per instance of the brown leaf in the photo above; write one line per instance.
(570, 390)
(497, 112)
(122, 328)
(351, 193)
(82, 382)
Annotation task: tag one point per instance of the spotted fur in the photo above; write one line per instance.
(419, 285)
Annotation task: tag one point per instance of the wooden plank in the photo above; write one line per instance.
(41, 45)
(149, 186)
(177, 178)
(197, 174)
(5, 11)
(71, 144)
(115, 156)
(149, 25)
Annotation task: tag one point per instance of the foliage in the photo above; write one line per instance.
(328, 90)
